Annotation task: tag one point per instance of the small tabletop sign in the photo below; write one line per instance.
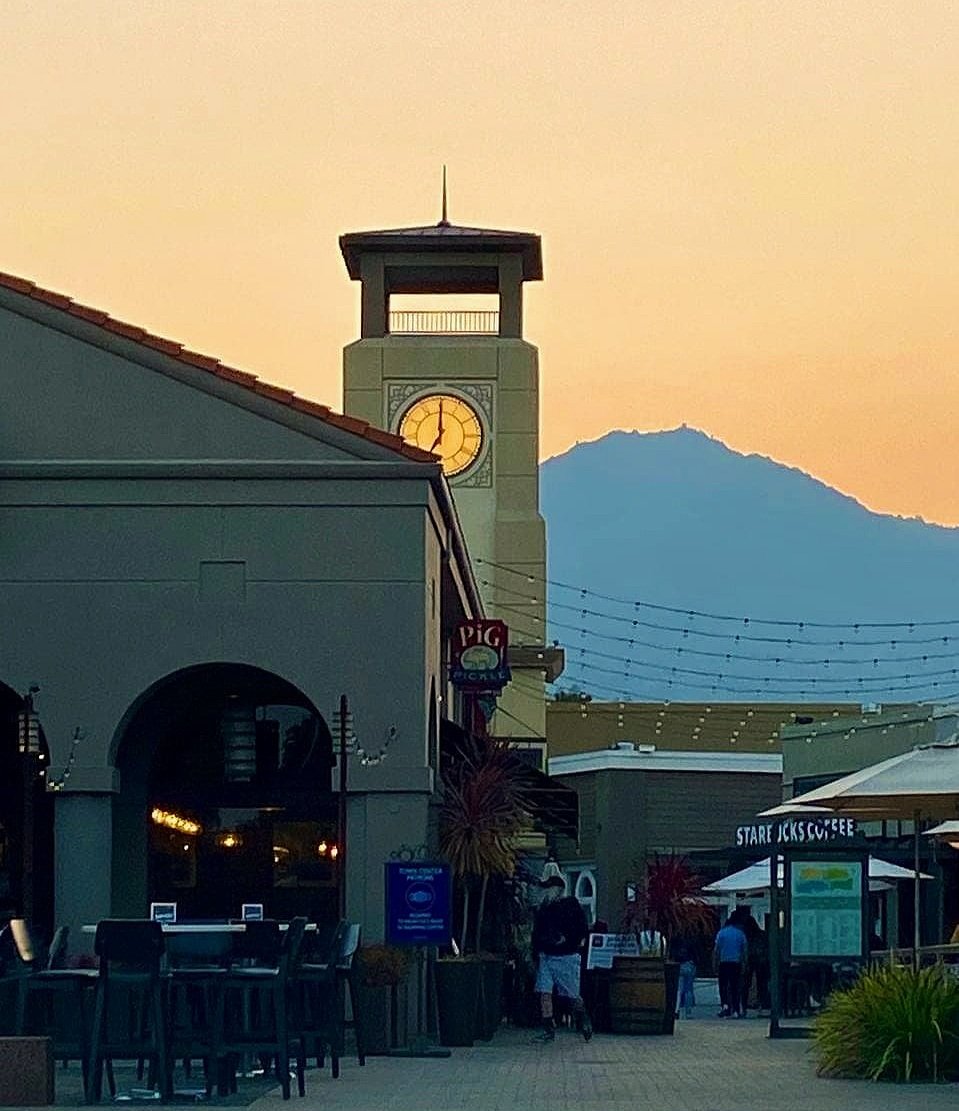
(252, 912)
(163, 912)
(603, 947)
(418, 903)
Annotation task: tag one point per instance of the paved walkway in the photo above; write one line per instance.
(707, 1066)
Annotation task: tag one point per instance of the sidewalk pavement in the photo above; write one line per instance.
(713, 1065)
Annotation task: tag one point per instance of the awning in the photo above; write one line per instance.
(553, 806)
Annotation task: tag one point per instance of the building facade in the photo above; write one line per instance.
(196, 566)
(665, 778)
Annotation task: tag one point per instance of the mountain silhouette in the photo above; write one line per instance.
(680, 520)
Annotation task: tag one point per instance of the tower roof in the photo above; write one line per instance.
(437, 238)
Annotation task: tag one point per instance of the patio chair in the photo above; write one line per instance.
(53, 1001)
(129, 1019)
(322, 996)
(257, 1008)
(198, 965)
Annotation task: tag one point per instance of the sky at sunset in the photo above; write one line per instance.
(749, 210)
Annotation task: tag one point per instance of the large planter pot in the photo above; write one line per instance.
(489, 1012)
(457, 998)
(374, 1005)
(642, 995)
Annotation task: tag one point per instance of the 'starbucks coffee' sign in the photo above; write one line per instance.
(794, 831)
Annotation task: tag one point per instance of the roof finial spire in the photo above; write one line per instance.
(444, 222)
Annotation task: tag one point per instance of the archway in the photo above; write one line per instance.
(225, 798)
(24, 884)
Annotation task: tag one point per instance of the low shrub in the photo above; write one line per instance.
(892, 1024)
(382, 965)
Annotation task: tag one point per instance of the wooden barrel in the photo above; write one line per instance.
(642, 996)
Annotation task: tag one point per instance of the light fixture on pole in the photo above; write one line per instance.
(28, 742)
(343, 727)
(28, 725)
(345, 736)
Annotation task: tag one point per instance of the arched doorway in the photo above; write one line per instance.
(26, 872)
(225, 798)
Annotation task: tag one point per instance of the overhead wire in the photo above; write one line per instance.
(689, 612)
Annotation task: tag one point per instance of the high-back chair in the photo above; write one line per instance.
(257, 1007)
(53, 1001)
(259, 944)
(314, 996)
(323, 988)
(129, 1020)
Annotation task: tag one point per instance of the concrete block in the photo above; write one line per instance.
(26, 1072)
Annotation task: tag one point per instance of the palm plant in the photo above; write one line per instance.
(671, 898)
(481, 814)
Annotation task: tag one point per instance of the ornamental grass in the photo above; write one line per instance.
(893, 1024)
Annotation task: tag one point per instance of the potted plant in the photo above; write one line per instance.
(669, 904)
(381, 969)
(480, 816)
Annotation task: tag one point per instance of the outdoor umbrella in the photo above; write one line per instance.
(756, 877)
(921, 783)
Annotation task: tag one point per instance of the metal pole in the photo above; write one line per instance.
(341, 822)
(774, 941)
(28, 837)
(916, 894)
(28, 740)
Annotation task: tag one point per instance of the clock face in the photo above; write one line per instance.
(447, 426)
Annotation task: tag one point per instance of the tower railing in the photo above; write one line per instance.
(444, 322)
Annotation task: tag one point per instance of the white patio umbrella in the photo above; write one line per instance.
(921, 783)
(756, 877)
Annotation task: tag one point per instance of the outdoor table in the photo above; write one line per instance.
(202, 927)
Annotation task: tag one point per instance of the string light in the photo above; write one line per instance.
(174, 821)
(686, 649)
(57, 784)
(810, 686)
(704, 615)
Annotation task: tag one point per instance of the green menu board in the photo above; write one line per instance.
(826, 908)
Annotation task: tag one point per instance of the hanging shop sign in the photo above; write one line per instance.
(794, 831)
(479, 655)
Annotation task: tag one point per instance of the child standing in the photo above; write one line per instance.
(686, 994)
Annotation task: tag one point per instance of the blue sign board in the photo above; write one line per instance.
(418, 903)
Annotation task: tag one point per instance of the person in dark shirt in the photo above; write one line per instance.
(559, 931)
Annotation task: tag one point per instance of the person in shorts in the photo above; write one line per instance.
(559, 931)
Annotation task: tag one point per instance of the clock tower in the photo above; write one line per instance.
(464, 384)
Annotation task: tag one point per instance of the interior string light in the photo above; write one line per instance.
(706, 616)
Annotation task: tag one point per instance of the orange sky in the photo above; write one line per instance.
(749, 210)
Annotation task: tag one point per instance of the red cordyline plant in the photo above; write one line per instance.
(671, 898)
(481, 814)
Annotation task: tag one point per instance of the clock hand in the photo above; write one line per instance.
(439, 431)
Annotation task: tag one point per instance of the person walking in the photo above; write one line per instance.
(730, 953)
(757, 961)
(683, 954)
(559, 931)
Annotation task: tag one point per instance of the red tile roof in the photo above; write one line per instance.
(219, 370)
